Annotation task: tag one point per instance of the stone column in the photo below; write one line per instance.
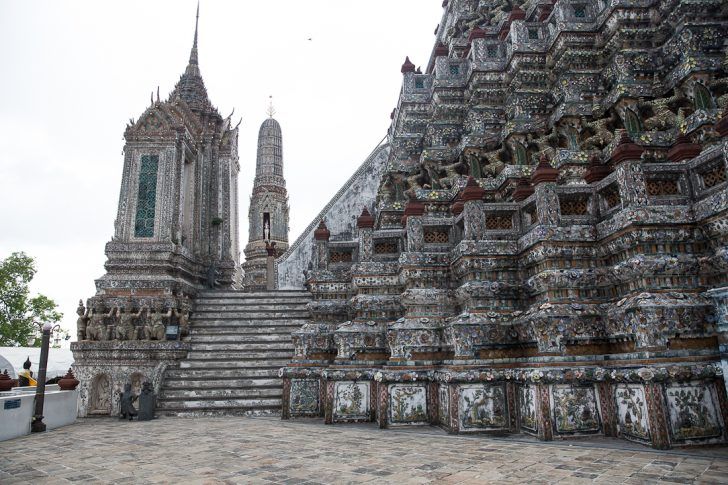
(657, 415)
(382, 404)
(321, 250)
(270, 273)
(608, 410)
(543, 413)
(473, 212)
(630, 176)
(286, 399)
(329, 403)
(548, 211)
(433, 406)
(454, 407)
(365, 225)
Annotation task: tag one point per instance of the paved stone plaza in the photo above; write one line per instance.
(267, 450)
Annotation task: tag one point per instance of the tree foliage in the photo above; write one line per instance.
(18, 310)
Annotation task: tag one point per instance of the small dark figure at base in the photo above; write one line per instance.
(126, 403)
(146, 402)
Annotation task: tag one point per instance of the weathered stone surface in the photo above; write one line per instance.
(552, 221)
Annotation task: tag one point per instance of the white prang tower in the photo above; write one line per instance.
(268, 214)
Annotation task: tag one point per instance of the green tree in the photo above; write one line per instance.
(18, 310)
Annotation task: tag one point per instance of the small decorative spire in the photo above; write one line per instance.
(365, 220)
(271, 109)
(407, 66)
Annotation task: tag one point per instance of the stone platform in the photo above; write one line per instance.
(268, 450)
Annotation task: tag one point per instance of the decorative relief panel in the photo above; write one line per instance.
(483, 407)
(632, 412)
(575, 409)
(527, 407)
(351, 401)
(304, 397)
(444, 404)
(693, 411)
(407, 404)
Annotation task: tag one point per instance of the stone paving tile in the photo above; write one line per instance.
(230, 450)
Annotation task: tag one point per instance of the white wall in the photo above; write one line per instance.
(59, 409)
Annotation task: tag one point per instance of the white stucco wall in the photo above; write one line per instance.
(340, 215)
(59, 409)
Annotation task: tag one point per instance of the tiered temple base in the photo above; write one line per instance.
(660, 406)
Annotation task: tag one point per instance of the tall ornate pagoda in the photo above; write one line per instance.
(268, 213)
(176, 232)
(547, 251)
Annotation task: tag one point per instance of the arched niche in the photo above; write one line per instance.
(100, 395)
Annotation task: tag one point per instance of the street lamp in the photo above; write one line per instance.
(37, 425)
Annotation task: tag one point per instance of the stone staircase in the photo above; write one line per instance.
(238, 341)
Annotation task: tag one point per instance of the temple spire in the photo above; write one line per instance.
(197, 21)
(193, 66)
(191, 87)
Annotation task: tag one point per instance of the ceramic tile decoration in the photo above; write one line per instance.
(408, 404)
(351, 400)
(694, 414)
(483, 406)
(540, 241)
(575, 409)
(632, 412)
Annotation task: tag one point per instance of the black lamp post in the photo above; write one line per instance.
(38, 425)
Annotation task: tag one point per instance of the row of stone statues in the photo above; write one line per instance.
(91, 323)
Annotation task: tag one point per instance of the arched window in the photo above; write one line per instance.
(702, 97)
(521, 155)
(632, 122)
(146, 196)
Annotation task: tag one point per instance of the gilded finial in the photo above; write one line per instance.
(271, 109)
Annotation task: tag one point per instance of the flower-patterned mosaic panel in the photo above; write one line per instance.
(632, 412)
(693, 411)
(407, 404)
(304, 399)
(575, 409)
(527, 407)
(483, 406)
(146, 197)
(351, 401)
(444, 403)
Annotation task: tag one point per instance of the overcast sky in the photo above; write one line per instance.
(72, 73)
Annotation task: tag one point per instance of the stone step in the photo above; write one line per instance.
(234, 337)
(251, 302)
(248, 315)
(242, 347)
(252, 403)
(253, 295)
(233, 331)
(238, 355)
(219, 383)
(193, 374)
(208, 411)
(238, 307)
(248, 323)
(210, 364)
(222, 394)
